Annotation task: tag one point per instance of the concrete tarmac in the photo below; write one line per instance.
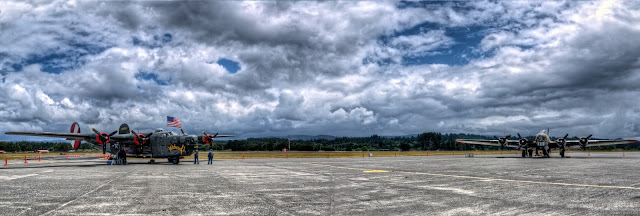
(600, 184)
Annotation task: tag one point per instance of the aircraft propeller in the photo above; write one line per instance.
(522, 142)
(562, 142)
(584, 141)
(208, 138)
(503, 141)
(103, 139)
(140, 139)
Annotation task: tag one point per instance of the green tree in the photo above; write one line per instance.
(405, 146)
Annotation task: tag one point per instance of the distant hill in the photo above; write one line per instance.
(307, 137)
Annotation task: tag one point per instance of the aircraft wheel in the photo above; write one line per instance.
(524, 153)
(530, 152)
(545, 153)
(561, 153)
(174, 160)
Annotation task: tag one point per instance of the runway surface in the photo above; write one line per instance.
(600, 184)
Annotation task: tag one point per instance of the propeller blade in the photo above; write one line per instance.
(589, 136)
(508, 136)
(215, 135)
(104, 149)
(111, 134)
(134, 133)
(495, 137)
(149, 134)
(519, 137)
(95, 131)
(565, 136)
(204, 133)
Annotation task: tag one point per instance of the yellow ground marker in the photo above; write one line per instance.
(375, 171)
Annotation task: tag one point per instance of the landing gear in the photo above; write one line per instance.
(174, 160)
(524, 153)
(530, 152)
(562, 153)
(545, 153)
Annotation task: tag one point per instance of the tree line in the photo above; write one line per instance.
(425, 141)
(24, 146)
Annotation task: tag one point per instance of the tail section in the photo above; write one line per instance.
(124, 129)
(75, 144)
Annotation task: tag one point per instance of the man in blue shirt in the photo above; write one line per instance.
(210, 156)
(196, 160)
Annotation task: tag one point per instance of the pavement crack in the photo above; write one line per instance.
(87, 193)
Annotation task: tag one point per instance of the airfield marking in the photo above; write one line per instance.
(375, 171)
(489, 179)
(94, 190)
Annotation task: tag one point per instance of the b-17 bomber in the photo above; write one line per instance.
(544, 143)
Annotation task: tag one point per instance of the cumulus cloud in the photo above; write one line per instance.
(312, 68)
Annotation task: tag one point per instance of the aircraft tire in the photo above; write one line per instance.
(545, 153)
(524, 153)
(530, 152)
(562, 153)
(174, 160)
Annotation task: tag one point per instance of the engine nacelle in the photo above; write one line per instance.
(523, 142)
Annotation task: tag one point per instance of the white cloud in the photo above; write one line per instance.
(566, 65)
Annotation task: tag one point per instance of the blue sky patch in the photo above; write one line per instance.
(151, 76)
(464, 48)
(230, 65)
(58, 61)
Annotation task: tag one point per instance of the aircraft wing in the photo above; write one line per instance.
(224, 136)
(601, 142)
(511, 143)
(68, 136)
(71, 136)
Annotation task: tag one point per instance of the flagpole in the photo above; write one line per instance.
(182, 130)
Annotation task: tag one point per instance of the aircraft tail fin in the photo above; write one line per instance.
(75, 144)
(124, 129)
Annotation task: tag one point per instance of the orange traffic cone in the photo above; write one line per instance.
(6, 161)
(25, 159)
(38, 157)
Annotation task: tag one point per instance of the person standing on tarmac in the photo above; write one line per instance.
(196, 160)
(210, 156)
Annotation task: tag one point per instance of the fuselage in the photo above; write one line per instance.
(542, 139)
(159, 145)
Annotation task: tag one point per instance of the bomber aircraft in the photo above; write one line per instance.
(543, 142)
(127, 143)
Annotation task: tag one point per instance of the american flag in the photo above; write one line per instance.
(173, 122)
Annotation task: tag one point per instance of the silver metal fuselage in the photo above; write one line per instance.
(542, 139)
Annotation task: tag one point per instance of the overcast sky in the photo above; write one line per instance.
(343, 68)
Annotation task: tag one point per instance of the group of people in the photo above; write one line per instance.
(197, 161)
